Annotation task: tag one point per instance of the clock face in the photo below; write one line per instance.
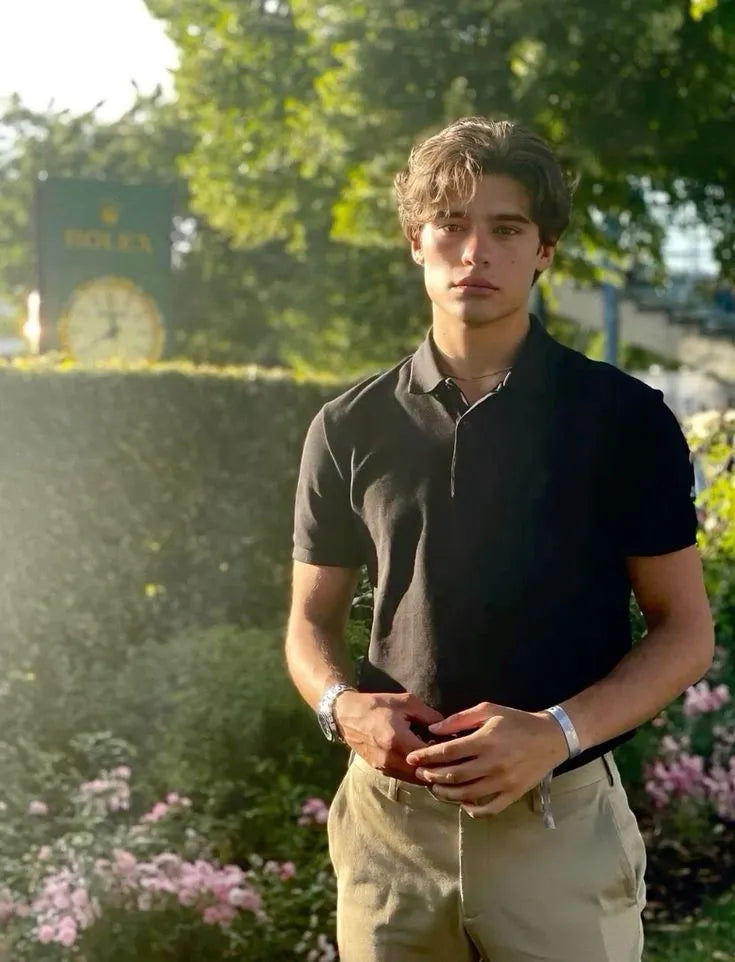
(110, 319)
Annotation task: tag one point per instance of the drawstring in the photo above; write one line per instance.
(545, 793)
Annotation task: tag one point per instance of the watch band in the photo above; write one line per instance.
(570, 732)
(325, 710)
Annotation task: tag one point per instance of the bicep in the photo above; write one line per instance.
(322, 594)
(670, 586)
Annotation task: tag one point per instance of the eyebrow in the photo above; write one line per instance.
(504, 218)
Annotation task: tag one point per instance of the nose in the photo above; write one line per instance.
(477, 247)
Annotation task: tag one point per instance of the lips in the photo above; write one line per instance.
(476, 282)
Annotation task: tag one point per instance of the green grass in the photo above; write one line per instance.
(710, 938)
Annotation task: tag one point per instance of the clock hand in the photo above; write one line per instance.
(112, 333)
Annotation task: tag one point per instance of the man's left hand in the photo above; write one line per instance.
(506, 753)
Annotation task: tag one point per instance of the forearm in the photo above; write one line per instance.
(656, 671)
(317, 657)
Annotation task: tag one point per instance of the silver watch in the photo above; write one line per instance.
(325, 711)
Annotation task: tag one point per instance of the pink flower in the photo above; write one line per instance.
(219, 914)
(245, 898)
(699, 699)
(314, 811)
(159, 810)
(46, 933)
(67, 931)
(187, 897)
(109, 792)
(679, 777)
(60, 899)
(287, 871)
(7, 910)
(125, 862)
(37, 807)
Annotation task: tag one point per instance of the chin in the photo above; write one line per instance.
(476, 319)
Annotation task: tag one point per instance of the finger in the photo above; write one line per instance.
(444, 753)
(462, 720)
(396, 767)
(417, 710)
(460, 774)
(481, 808)
(472, 793)
(406, 740)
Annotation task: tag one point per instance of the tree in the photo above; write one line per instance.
(304, 110)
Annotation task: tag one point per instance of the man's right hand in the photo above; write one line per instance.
(378, 728)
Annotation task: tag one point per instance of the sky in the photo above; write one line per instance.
(78, 52)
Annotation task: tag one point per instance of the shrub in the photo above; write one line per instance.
(681, 767)
(138, 504)
(105, 886)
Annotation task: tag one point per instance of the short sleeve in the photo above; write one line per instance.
(656, 512)
(326, 529)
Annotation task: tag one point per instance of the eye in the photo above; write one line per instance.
(506, 231)
(449, 228)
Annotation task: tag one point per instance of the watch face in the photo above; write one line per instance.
(109, 319)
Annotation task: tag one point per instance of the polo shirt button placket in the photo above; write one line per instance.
(457, 408)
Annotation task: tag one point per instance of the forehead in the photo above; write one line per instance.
(494, 194)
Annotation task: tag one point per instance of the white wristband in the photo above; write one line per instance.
(570, 732)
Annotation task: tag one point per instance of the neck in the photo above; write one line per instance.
(468, 352)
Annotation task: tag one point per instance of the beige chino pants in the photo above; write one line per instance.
(419, 879)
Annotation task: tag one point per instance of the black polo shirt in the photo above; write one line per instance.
(495, 536)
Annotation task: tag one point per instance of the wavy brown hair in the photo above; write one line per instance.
(449, 164)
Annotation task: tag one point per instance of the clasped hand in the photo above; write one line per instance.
(506, 753)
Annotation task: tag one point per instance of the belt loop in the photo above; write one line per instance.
(608, 770)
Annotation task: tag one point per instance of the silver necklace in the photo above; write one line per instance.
(479, 377)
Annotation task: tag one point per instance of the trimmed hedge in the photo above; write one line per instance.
(139, 503)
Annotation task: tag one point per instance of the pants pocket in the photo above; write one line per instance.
(632, 846)
(335, 819)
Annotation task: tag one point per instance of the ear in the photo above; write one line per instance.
(416, 251)
(545, 256)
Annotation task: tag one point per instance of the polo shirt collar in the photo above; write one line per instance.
(531, 368)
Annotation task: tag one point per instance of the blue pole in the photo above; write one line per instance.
(611, 319)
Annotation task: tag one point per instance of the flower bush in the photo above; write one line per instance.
(106, 886)
(691, 779)
(681, 767)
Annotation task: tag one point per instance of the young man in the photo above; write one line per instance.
(505, 494)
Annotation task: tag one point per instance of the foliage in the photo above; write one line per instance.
(292, 117)
(302, 112)
(98, 883)
(681, 767)
(215, 312)
(710, 937)
(215, 711)
(140, 504)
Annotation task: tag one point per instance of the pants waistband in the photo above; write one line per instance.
(594, 771)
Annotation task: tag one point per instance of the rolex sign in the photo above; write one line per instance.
(104, 265)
